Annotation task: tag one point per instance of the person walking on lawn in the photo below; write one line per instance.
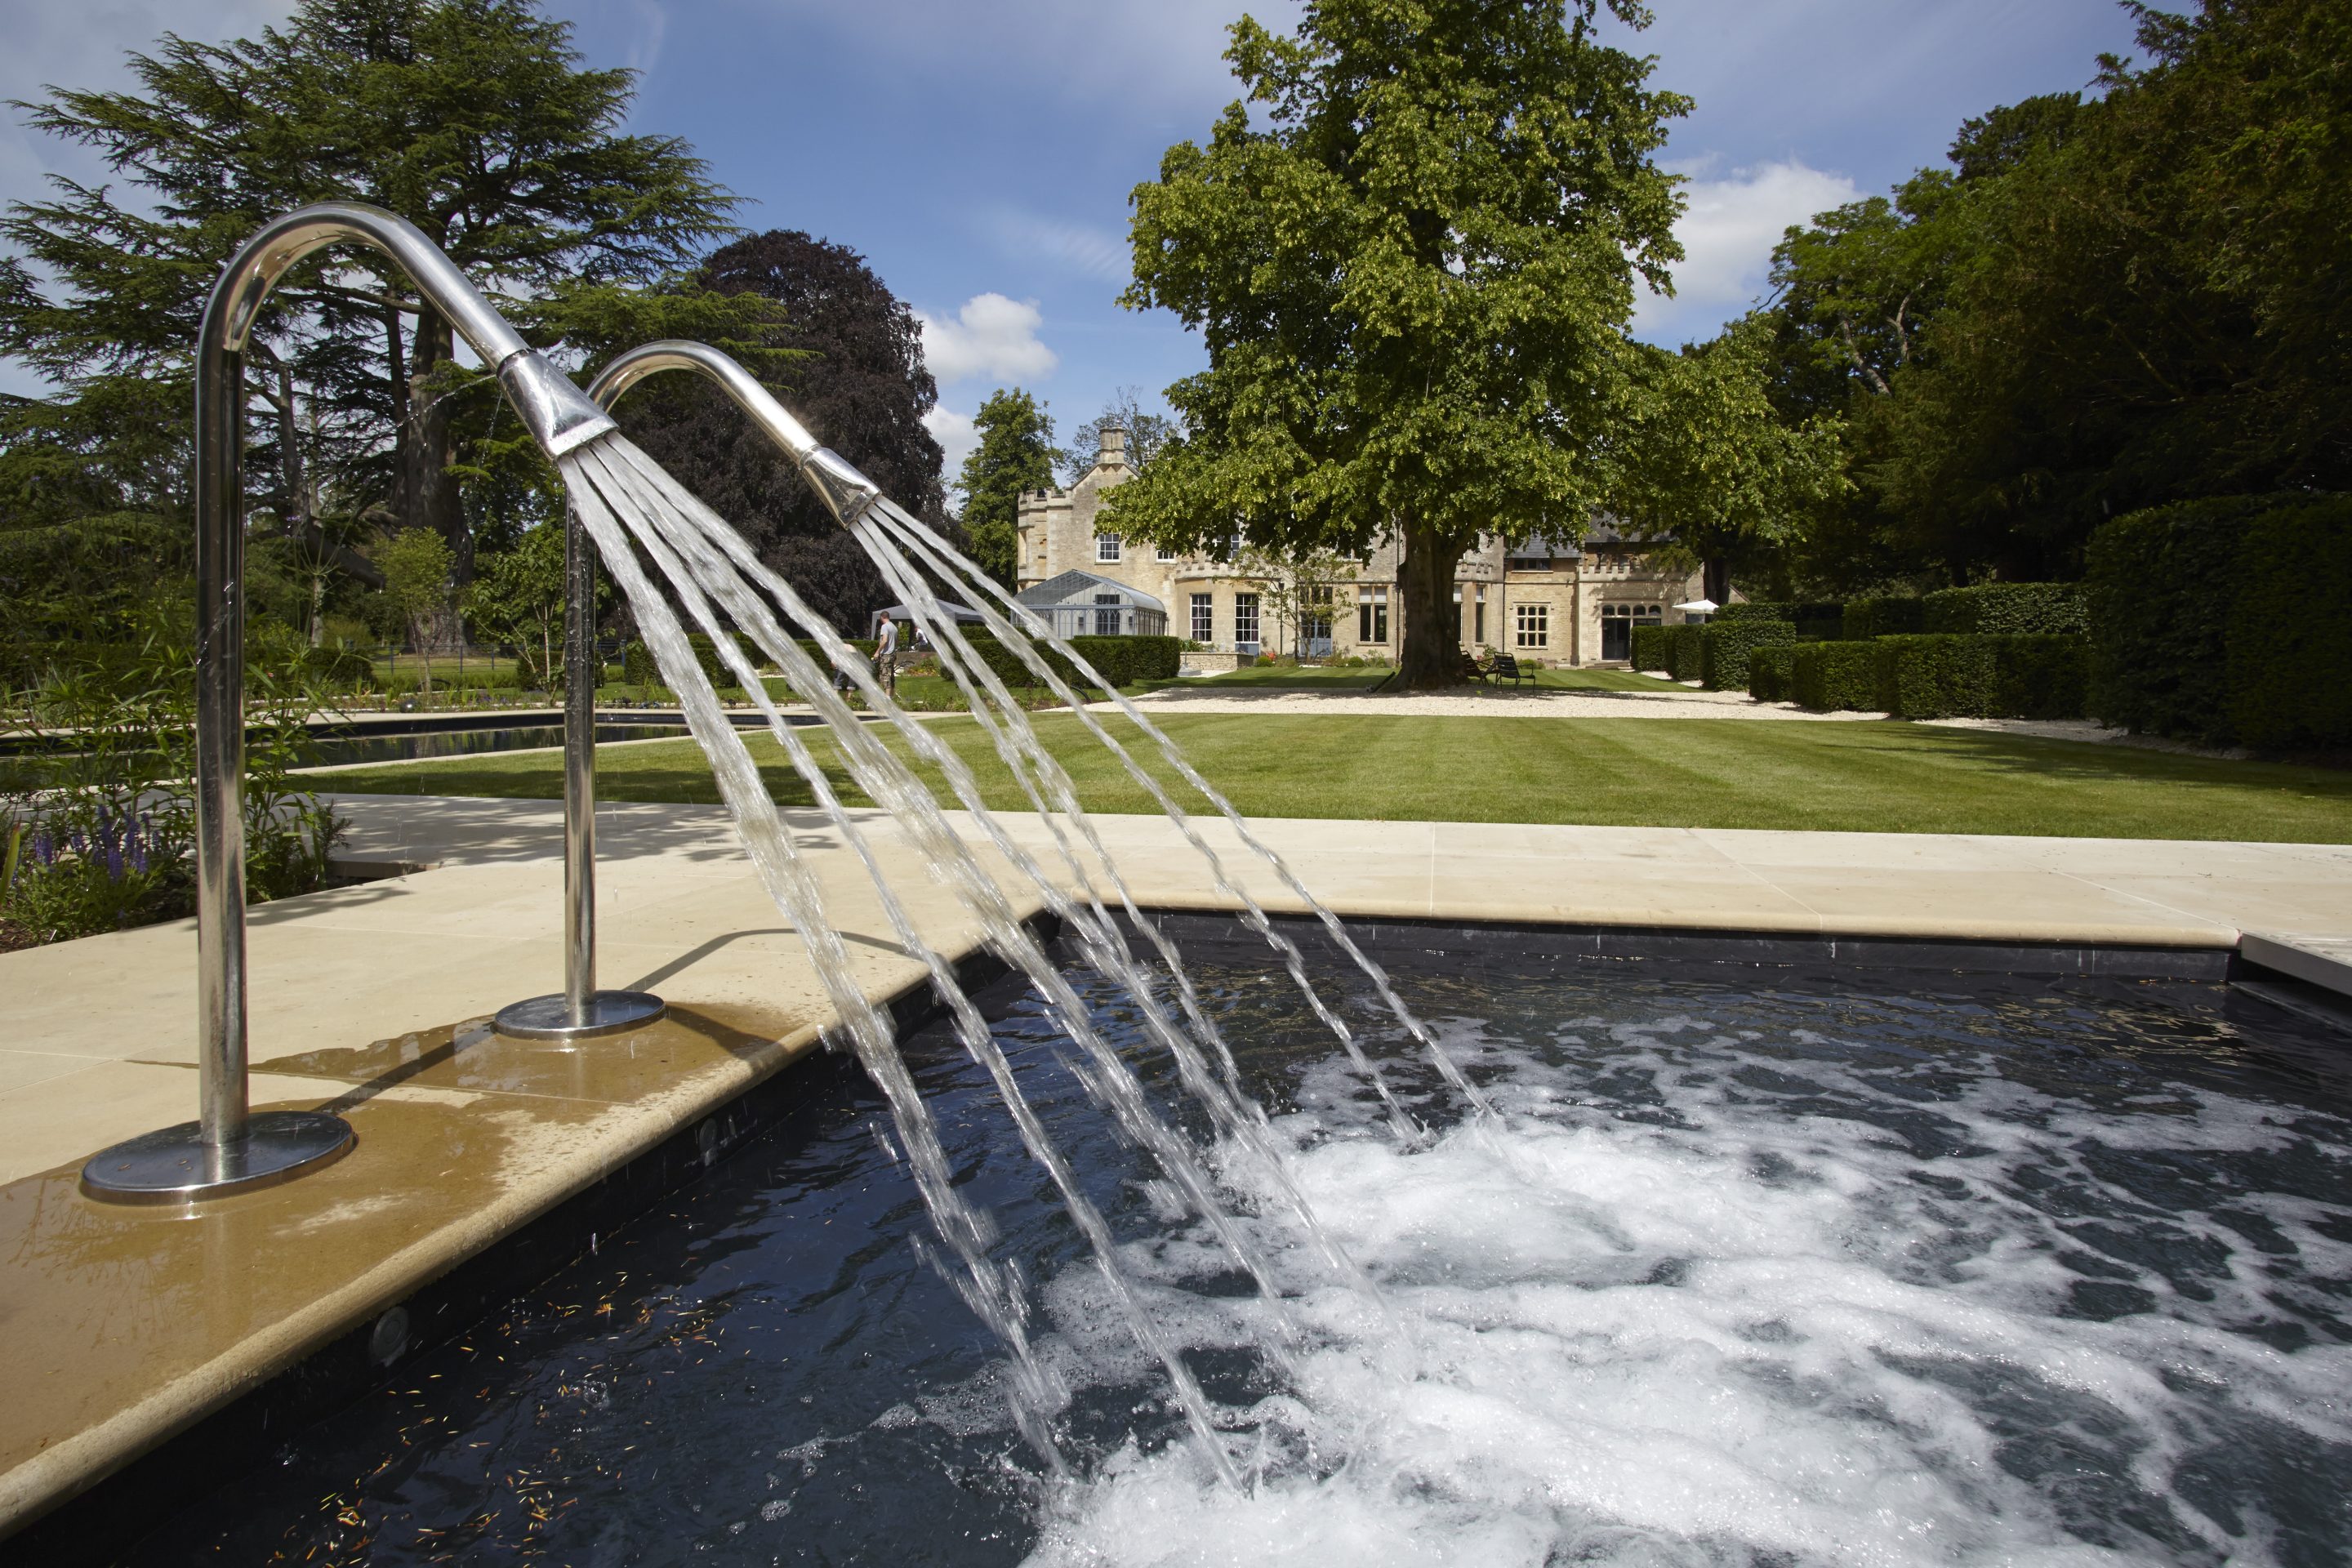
(886, 655)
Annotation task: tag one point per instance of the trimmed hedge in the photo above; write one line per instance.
(1832, 676)
(2290, 643)
(2158, 584)
(1822, 622)
(2219, 621)
(2007, 609)
(1685, 652)
(1816, 621)
(1121, 661)
(1868, 618)
(1653, 648)
(1945, 675)
(1768, 672)
(1726, 648)
(1124, 660)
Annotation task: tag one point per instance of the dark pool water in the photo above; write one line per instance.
(341, 749)
(1762, 1268)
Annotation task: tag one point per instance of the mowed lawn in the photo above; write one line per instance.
(1884, 777)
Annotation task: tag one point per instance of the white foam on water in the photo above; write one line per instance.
(1732, 1333)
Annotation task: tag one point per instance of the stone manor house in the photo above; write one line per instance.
(1544, 603)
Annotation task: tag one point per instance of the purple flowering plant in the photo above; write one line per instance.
(100, 835)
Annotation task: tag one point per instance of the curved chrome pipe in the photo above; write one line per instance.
(227, 1148)
(844, 491)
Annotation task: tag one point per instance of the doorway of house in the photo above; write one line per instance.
(1617, 624)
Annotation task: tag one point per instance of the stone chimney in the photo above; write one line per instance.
(1114, 448)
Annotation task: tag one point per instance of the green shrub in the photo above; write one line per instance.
(2007, 609)
(1947, 675)
(1653, 648)
(1831, 677)
(1685, 652)
(2157, 584)
(2289, 663)
(2043, 675)
(1933, 675)
(339, 667)
(1823, 622)
(98, 826)
(1768, 671)
(1754, 610)
(1124, 660)
(1726, 646)
(2171, 588)
(1868, 618)
(1010, 668)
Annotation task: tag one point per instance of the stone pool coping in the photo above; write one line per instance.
(129, 1327)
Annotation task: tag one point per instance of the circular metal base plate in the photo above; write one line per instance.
(177, 1164)
(550, 1017)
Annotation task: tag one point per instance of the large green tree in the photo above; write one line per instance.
(476, 119)
(1015, 453)
(2105, 304)
(1710, 466)
(1412, 253)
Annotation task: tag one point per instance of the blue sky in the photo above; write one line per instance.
(981, 155)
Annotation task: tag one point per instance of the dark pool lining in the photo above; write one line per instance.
(118, 1510)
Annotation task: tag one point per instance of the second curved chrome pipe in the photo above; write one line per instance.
(844, 491)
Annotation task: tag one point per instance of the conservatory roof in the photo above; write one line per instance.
(1080, 588)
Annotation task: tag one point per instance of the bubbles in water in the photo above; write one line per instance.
(1758, 1304)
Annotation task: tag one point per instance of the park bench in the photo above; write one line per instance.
(1504, 667)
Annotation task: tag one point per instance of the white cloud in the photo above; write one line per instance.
(956, 437)
(1727, 231)
(991, 336)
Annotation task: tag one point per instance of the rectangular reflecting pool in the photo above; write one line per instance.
(1758, 1265)
(338, 750)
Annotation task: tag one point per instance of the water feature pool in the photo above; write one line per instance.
(1762, 1265)
(334, 750)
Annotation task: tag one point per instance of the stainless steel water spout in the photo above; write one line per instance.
(844, 491)
(229, 1147)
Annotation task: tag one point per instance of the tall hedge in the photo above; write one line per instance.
(1829, 677)
(1823, 622)
(1867, 618)
(2007, 609)
(2289, 638)
(1816, 621)
(1124, 660)
(1685, 650)
(1121, 661)
(1768, 673)
(2220, 621)
(1653, 648)
(1726, 647)
(1943, 675)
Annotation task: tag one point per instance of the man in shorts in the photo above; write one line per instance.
(886, 655)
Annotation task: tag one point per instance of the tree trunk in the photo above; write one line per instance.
(1714, 581)
(428, 491)
(1432, 654)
